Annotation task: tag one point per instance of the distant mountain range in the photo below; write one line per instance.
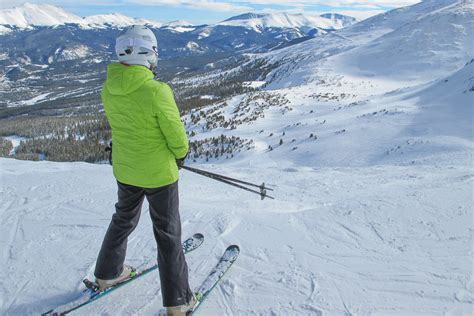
(30, 15)
(40, 42)
(249, 32)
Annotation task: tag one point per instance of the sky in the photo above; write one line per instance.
(212, 11)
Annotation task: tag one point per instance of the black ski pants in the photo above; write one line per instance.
(164, 212)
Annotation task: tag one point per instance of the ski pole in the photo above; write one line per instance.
(215, 175)
(232, 181)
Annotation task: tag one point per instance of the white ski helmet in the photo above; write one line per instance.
(137, 45)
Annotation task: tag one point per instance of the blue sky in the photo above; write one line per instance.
(211, 11)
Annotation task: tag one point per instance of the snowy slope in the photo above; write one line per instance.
(403, 47)
(393, 19)
(375, 220)
(376, 240)
(428, 47)
(376, 116)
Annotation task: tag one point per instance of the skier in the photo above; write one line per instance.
(149, 144)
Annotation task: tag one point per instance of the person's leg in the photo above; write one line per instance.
(114, 247)
(164, 212)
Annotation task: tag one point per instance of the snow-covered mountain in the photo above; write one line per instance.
(30, 14)
(416, 49)
(179, 26)
(117, 19)
(305, 23)
(340, 20)
(406, 44)
(33, 50)
(368, 87)
(37, 14)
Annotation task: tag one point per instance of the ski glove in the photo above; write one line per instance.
(109, 150)
(180, 161)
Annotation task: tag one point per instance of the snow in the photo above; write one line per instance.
(342, 237)
(399, 48)
(372, 240)
(31, 101)
(179, 26)
(4, 30)
(4, 83)
(373, 183)
(114, 18)
(182, 29)
(117, 19)
(178, 23)
(205, 33)
(36, 99)
(193, 46)
(282, 20)
(254, 84)
(37, 14)
(30, 14)
(208, 97)
(75, 52)
(16, 141)
(405, 47)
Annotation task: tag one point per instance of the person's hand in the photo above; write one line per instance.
(180, 162)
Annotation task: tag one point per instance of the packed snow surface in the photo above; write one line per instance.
(369, 240)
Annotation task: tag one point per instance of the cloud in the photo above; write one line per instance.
(331, 3)
(224, 6)
(358, 14)
(360, 9)
(5, 4)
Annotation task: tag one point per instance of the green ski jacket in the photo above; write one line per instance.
(147, 133)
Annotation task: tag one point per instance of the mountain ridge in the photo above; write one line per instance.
(30, 14)
(307, 22)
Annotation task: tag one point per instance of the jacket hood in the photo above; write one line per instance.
(124, 79)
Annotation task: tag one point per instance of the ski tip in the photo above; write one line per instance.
(231, 253)
(233, 247)
(198, 236)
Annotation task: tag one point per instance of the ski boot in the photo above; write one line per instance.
(127, 273)
(182, 310)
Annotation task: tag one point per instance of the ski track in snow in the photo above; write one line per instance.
(356, 246)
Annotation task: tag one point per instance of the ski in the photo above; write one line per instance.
(92, 294)
(228, 258)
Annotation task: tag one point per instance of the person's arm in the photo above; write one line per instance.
(170, 123)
